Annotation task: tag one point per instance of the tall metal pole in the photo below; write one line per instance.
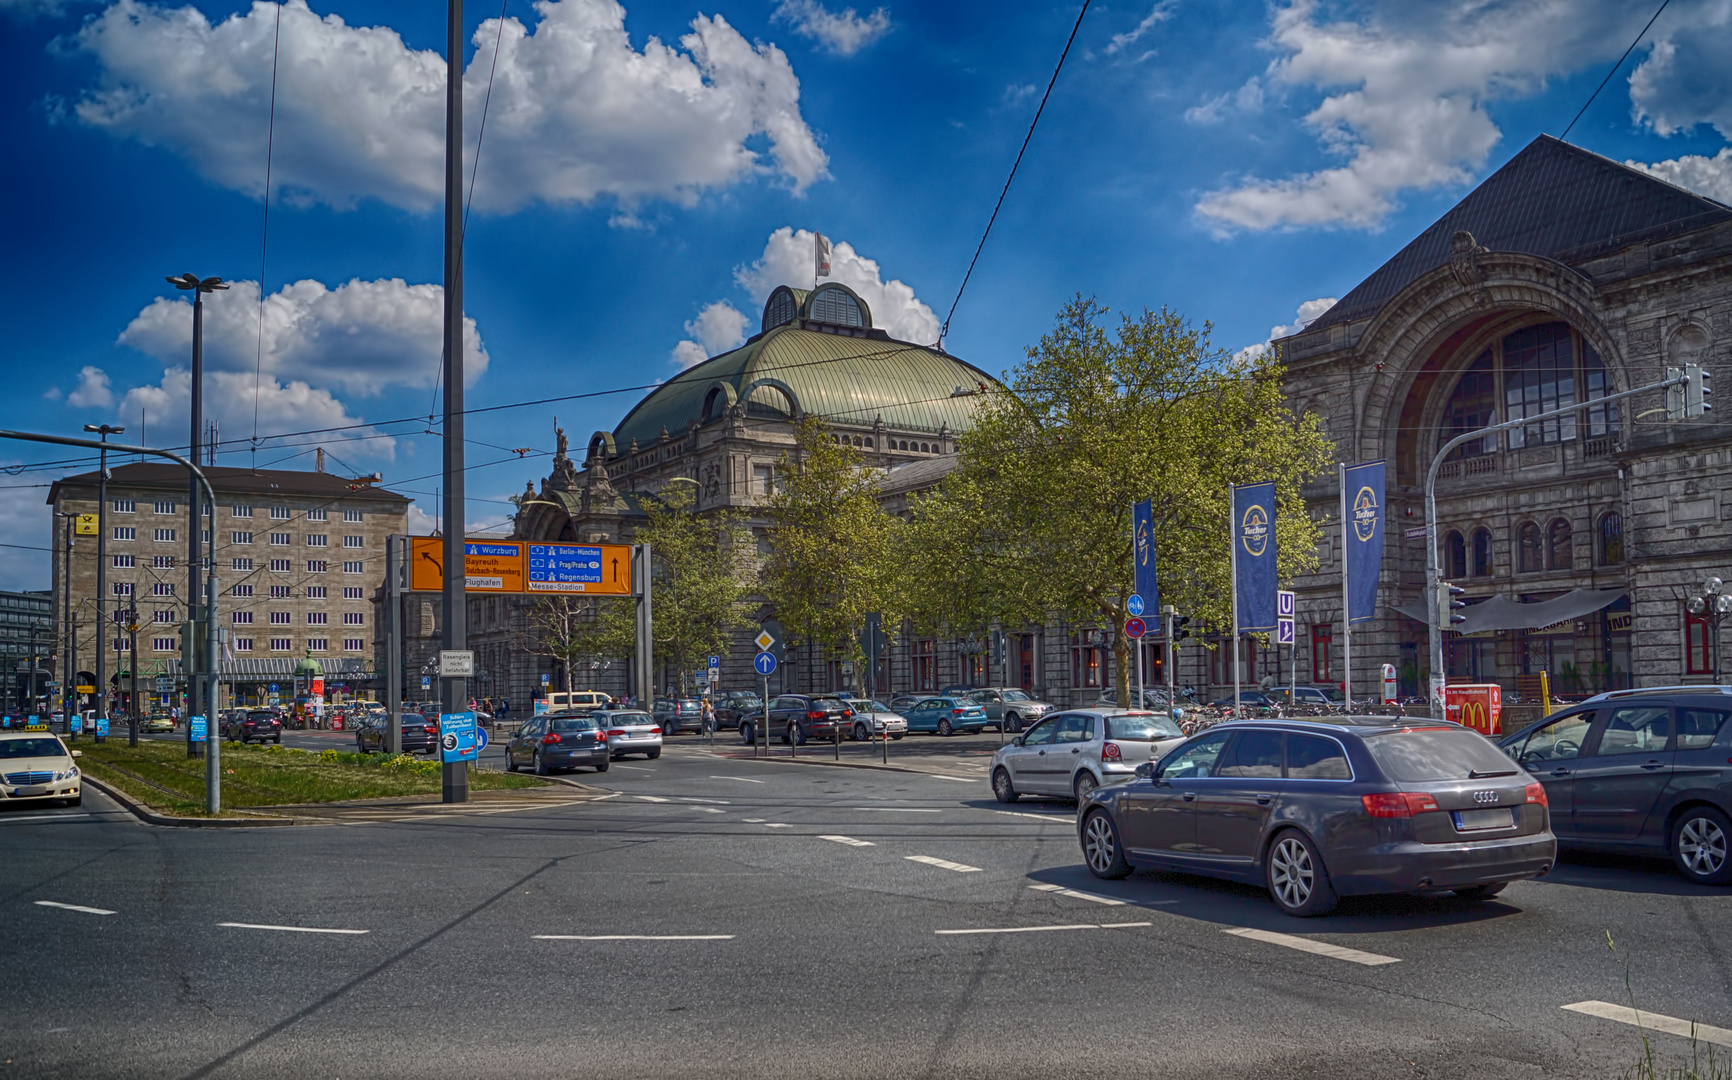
(101, 579)
(393, 642)
(455, 630)
(1346, 612)
(68, 658)
(1233, 565)
(193, 608)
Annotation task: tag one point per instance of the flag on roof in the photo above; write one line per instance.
(821, 254)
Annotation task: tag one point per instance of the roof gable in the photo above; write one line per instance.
(1551, 199)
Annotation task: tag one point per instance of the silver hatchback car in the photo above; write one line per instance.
(1072, 753)
(629, 731)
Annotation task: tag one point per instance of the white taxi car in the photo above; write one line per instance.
(35, 766)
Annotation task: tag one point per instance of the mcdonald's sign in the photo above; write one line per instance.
(1475, 705)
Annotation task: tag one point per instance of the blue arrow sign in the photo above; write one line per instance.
(764, 663)
(1134, 605)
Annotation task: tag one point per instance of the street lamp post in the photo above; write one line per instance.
(103, 431)
(1711, 606)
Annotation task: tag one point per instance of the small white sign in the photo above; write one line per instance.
(456, 663)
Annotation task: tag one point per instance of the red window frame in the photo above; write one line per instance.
(1698, 655)
(1322, 643)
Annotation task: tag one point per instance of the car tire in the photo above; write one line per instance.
(860, 733)
(1013, 724)
(1700, 840)
(944, 729)
(538, 764)
(893, 738)
(510, 762)
(653, 754)
(1002, 788)
(601, 766)
(1084, 783)
(278, 741)
(76, 800)
(748, 734)
(1296, 877)
(1101, 848)
(360, 747)
(1481, 892)
(796, 734)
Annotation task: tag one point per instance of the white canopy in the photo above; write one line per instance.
(1502, 613)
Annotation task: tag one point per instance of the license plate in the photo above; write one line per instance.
(1470, 820)
(35, 789)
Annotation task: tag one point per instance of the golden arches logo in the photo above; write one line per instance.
(1365, 514)
(1475, 715)
(1254, 531)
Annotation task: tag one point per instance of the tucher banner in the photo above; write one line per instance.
(1143, 557)
(1254, 577)
(1363, 512)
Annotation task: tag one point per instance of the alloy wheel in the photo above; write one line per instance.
(1099, 843)
(1702, 846)
(1085, 783)
(1291, 872)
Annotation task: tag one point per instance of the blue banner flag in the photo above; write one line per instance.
(1143, 556)
(1362, 494)
(1254, 577)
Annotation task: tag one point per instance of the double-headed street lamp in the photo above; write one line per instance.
(1710, 607)
(103, 431)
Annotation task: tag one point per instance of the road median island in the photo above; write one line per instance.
(157, 778)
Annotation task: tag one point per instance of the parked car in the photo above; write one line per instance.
(1072, 753)
(955, 689)
(946, 715)
(1322, 697)
(1321, 808)
(373, 733)
(1639, 771)
(1250, 699)
(874, 719)
(1009, 708)
(158, 722)
(629, 731)
(903, 702)
(733, 705)
(257, 725)
(676, 715)
(795, 718)
(1153, 698)
(561, 740)
(577, 700)
(37, 766)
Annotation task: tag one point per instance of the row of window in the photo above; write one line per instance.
(285, 539)
(1536, 551)
(130, 562)
(278, 513)
(889, 444)
(286, 618)
(285, 566)
(245, 644)
(312, 592)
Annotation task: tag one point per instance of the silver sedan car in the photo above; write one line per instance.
(1010, 708)
(629, 731)
(873, 719)
(1072, 753)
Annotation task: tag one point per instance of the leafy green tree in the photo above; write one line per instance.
(1035, 521)
(701, 591)
(577, 630)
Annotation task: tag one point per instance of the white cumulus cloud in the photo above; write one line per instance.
(1162, 11)
(229, 400)
(1309, 312)
(719, 327)
(787, 260)
(577, 112)
(842, 32)
(1710, 176)
(1247, 99)
(94, 391)
(1684, 80)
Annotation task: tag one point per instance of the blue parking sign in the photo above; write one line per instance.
(457, 740)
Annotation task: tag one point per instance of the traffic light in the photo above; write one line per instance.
(1696, 392)
(1179, 631)
(1675, 395)
(1447, 604)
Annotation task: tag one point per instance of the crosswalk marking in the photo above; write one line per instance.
(1320, 948)
(943, 864)
(1671, 1025)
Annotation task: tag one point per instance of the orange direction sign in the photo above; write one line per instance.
(488, 565)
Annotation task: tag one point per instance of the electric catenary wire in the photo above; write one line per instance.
(265, 232)
(1615, 68)
(944, 330)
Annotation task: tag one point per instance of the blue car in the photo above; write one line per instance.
(946, 716)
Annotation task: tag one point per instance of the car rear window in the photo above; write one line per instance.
(572, 724)
(1697, 728)
(628, 718)
(1142, 728)
(21, 748)
(1417, 755)
(829, 705)
(1312, 757)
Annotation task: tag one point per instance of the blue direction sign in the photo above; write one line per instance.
(480, 739)
(764, 663)
(1134, 605)
(578, 568)
(457, 737)
(195, 727)
(1134, 628)
(274, 688)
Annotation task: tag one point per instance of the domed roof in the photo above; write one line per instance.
(818, 353)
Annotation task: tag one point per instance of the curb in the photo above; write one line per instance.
(151, 817)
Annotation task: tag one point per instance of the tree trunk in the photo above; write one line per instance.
(1122, 655)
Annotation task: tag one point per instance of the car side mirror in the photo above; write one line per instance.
(78, 753)
(1146, 770)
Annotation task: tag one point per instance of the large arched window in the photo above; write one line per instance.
(1471, 407)
(1482, 553)
(1454, 555)
(836, 307)
(1530, 555)
(1611, 538)
(1560, 546)
(1533, 370)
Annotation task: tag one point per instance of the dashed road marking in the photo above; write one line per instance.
(776, 825)
(741, 779)
(634, 937)
(849, 840)
(708, 810)
(291, 929)
(1671, 1025)
(651, 798)
(74, 907)
(44, 817)
(1060, 890)
(633, 768)
(1042, 817)
(958, 779)
(896, 809)
(1039, 929)
(1320, 948)
(943, 864)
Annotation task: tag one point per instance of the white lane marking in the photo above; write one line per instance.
(74, 907)
(958, 779)
(849, 840)
(651, 798)
(712, 802)
(776, 825)
(896, 810)
(708, 810)
(634, 937)
(1042, 817)
(753, 820)
(1671, 1025)
(741, 779)
(1060, 890)
(943, 864)
(1320, 948)
(633, 768)
(1038, 929)
(292, 929)
(44, 817)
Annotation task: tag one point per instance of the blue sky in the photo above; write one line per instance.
(648, 173)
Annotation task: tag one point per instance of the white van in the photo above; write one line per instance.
(561, 700)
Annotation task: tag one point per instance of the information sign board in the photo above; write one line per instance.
(426, 682)
(102, 727)
(77, 724)
(456, 663)
(715, 662)
(195, 728)
(457, 737)
(1285, 605)
(594, 569)
(488, 565)
(86, 525)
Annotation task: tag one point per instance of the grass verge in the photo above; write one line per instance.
(160, 775)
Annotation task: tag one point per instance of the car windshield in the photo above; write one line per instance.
(576, 723)
(49, 747)
(1417, 755)
(1016, 695)
(1142, 728)
(1330, 692)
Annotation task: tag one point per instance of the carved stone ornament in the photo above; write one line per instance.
(1464, 255)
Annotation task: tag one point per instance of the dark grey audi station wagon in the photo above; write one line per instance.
(1645, 772)
(1316, 809)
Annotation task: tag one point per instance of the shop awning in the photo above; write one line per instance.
(1502, 613)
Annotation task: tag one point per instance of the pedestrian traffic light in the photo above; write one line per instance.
(1179, 631)
(1696, 392)
(1447, 604)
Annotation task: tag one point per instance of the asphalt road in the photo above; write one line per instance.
(721, 917)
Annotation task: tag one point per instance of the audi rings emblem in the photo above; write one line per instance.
(1485, 796)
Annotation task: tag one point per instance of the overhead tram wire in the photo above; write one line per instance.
(265, 232)
(1644, 33)
(944, 331)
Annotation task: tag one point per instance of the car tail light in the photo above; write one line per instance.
(655, 731)
(613, 732)
(1398, 804)
(956, 712)
(815, 715)
(428, 728)
(549, 739)
(1536, 793)
(1110, 752)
